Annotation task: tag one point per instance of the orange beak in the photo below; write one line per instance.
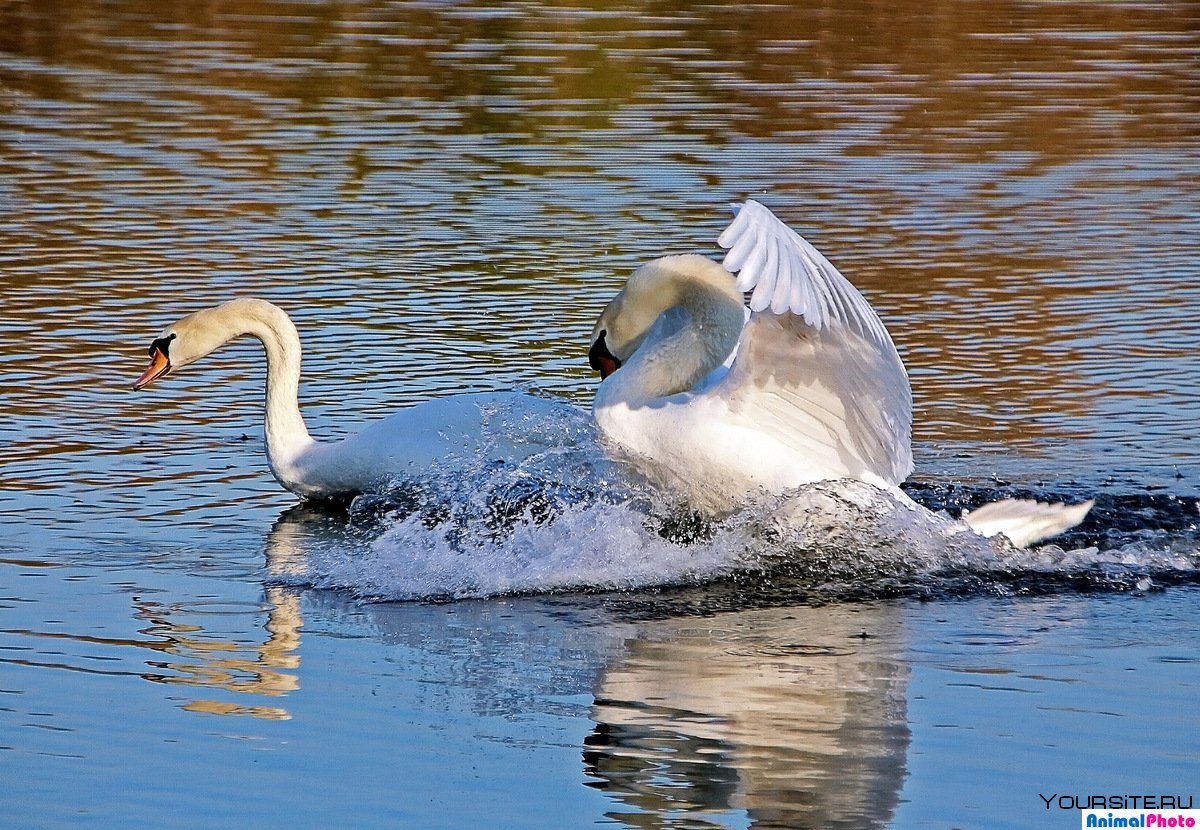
(160, 364)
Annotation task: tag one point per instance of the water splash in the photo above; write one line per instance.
(511, 530)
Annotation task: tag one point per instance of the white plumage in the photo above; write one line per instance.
(439, 434)
(815, 389)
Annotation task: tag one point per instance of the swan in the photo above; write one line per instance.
(468, 428)
(719, 400)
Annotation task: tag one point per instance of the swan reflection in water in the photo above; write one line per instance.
(223, 665)
(795, 716)
(789, 716)
(776, 717)
(202, 660)
(265, 666)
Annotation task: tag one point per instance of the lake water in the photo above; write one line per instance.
(444, 195)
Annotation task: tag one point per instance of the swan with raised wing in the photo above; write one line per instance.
(720, 401)
(464, 429)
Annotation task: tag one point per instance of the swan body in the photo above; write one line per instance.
(465, 428)
(721, 401)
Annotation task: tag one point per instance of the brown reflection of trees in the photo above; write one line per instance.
(946, 77)
(992, 357)
(171, 136)
(972, 78)
(795, 716)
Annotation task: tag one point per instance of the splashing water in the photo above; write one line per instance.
(591, 526)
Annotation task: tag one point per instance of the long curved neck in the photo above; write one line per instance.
(287, 436)
(683, 346)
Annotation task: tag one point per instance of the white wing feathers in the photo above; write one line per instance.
(1025, 522)
(815, 364)
(787, 274)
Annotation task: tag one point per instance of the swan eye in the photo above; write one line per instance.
(162, 344)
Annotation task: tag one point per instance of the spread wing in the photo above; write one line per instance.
(814, 361)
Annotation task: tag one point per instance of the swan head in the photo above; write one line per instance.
(160, 360)
(652, 303)
(197, 335)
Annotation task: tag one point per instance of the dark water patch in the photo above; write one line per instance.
(1116, 519)
(785, 588)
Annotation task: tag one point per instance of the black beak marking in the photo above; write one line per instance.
(162, 344)
(601, 359)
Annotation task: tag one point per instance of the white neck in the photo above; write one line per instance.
(679, 350)
(287, 436)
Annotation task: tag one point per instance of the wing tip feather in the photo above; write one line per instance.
(821, 295)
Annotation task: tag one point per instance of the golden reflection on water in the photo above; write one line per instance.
(187, 655)
(211, 663)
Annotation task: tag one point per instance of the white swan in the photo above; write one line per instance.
(464, 428)
(718, 401)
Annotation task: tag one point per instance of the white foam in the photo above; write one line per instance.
(598, 547)
(831, 537)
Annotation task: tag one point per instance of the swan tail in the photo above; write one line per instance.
(1025, 522)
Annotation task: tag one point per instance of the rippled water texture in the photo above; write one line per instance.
(443, 195)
